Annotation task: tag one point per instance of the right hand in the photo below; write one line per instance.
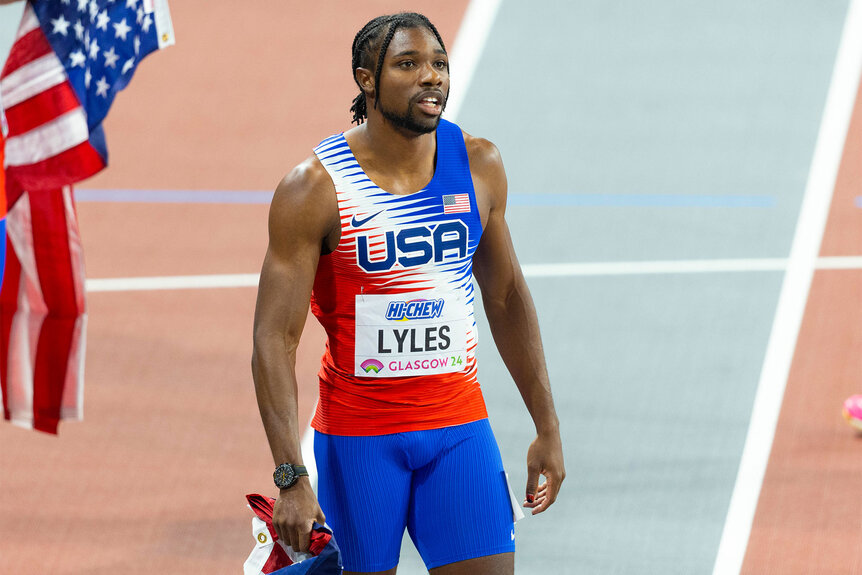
(296, 510)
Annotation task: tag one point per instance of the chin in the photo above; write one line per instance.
(411, 123)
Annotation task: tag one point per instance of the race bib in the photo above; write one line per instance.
(418, 333)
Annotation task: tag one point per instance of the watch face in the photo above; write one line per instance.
(284, 476)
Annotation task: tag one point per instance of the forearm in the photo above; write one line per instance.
(273, 369)
(515, 327)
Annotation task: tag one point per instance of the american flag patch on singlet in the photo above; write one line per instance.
(455, 203)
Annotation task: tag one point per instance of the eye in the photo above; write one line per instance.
(441, 64)
(406, 64)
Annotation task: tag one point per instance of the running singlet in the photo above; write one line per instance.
(396, 299)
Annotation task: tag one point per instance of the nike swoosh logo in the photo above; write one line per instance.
(359, 223)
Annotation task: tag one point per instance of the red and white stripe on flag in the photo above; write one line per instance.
(456, 203)
(42, 312)
(48, 143)
(42, 309)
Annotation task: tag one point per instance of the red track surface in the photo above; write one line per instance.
(809, 517)
(153, 481)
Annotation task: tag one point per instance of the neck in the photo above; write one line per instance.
(396, 145)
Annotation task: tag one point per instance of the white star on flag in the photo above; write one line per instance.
(102, 88)
(61, 25)
(87, 78)
(94, 9)
(140, 14)
(78, 58)
(137, 45)
(121, 29)
(79, 30)
(147, 23)
(130, 63)
(131, 3)
(82, 5)
(94, 49)
(111, 58)
(102, 24)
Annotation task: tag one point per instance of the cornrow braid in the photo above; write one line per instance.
(364, 45)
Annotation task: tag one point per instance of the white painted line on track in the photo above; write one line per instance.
(840, 263)
(794, 295)
(172, 282)
(653, 267)
(530, 270)
(467, 49)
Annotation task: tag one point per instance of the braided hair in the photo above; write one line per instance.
(366, 42)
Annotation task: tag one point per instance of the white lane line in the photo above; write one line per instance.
(530, 270)
(840, 263)
(172, 282)
(794, 295)
(467, 49)
(653, 267)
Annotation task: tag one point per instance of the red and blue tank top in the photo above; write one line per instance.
(396, 299)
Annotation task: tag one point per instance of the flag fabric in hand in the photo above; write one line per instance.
(272, 557)
(69, 59)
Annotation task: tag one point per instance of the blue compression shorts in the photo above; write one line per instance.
(446, 486)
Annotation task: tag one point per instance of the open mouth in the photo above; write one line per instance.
(431, 104)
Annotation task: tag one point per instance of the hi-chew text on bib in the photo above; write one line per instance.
(417, 333)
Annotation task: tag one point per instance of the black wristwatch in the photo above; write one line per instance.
(287, 474)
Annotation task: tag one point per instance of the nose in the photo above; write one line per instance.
(431, 76)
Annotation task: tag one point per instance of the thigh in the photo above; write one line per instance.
(501, 564)
(364, 491)
(461, 507)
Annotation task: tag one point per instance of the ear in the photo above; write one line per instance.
(365, 79)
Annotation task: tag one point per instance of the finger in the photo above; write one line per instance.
(289, 539)
(554, 488)
(280, 533)
(304, 536)
(543, 503)
(532, 484)
(321, 518)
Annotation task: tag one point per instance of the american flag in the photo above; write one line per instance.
(69, 60)
(456, 203)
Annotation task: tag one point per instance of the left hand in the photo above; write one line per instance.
(545, 457)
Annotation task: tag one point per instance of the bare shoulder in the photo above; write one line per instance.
(305, 197)
(306, 182)
(486, 167)
(484, 155)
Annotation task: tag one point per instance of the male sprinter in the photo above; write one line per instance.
(383, 229)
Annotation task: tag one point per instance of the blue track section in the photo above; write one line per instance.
(639, 131)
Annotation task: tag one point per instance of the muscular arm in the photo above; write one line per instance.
(514, 324)
(301, 218)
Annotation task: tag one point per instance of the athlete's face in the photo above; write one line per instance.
(414, 81)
